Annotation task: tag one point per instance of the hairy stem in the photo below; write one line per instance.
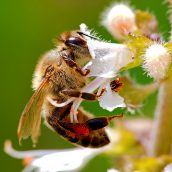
(169, 3)
(162, 130)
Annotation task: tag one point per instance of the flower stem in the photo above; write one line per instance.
(162, 127)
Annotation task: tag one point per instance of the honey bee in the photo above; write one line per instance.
(59, 75)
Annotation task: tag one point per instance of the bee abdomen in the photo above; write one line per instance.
(79, 134)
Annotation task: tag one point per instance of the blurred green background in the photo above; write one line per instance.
(26, 31)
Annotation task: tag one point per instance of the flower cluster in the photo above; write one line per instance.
(142, 46)
(121, 20)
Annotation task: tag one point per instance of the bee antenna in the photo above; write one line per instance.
(82, 33)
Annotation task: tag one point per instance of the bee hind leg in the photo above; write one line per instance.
(83, 95)
(78, 94)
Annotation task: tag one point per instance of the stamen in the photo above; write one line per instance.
(102, 88)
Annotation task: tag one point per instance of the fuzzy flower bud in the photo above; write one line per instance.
(119, 20)
(156, 61)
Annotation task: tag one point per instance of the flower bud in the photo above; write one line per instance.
(119, 20)
(156, 61)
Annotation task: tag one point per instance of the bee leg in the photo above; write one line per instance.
(100, 122)
(78, 94)
(74, 65)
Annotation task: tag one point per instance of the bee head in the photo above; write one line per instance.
(76, 43)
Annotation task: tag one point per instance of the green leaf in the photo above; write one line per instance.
(131, 91)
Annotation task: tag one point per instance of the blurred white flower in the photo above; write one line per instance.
(67, 160)
(156, 61)
(54, 160)
(119, 20)
(168, 168)
(112, 170)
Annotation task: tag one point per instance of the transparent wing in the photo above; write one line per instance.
(30, 120)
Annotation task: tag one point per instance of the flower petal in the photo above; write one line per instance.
(54, 160)
(112, 170)
(168, 168)
(108, 58)
(110, 99)
(67, 160)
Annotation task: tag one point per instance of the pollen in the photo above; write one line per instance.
(26, 161)
(156, 61)
(81, 130)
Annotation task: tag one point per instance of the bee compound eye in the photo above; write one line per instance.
(75, 41)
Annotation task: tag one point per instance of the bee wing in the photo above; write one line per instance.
(30, 120)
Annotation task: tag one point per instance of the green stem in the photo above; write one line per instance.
(162, 130)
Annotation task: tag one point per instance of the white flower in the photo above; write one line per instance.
(108, 59)
(168, 168)
(54, 160)
(119, 20)
(66, 160)
(110, 99)
(112, 170)
(156, 61)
